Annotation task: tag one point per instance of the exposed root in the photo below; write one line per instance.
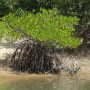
(33, 57)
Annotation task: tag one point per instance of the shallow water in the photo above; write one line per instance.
(44, 83)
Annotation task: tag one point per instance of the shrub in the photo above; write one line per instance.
(46, 26)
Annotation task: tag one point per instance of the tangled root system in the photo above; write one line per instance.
(33, 57)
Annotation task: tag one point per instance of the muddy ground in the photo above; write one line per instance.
(7, 49)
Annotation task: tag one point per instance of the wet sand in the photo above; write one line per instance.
(6, 50)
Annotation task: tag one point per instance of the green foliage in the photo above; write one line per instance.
(78, 8)
(46, 26)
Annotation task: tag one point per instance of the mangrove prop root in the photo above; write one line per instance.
(33, 57)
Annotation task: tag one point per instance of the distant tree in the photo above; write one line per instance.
(4, 9)
(28, 5)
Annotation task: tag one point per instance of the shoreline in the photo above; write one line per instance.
(7, 49)
(12, 74)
